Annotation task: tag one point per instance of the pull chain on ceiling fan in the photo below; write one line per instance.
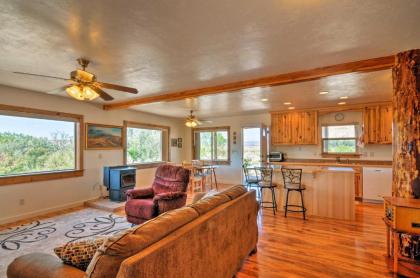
(84, 85)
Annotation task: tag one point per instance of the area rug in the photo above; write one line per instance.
(44, 235)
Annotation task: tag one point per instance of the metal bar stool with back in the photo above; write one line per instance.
(251, 179)
(266, 183)
(292, 179)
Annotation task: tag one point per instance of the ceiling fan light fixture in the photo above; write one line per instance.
(81, 92)
(75, 92)
(191, 123)
(89, 93)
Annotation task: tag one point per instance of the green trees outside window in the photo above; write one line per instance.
(144, 145)
(31, 145)
(212, 145)
(339, 139)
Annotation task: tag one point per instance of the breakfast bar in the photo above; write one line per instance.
(329, 191)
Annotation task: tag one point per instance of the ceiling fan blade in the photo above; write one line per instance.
(117, 87)
(102, 93)
(59, 90)
(41, 75)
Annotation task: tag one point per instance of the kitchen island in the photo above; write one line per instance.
(329, 191)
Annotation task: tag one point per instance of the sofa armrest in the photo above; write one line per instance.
(139, 193)
(41, 265)
(169, 201)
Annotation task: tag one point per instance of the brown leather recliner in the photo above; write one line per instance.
(167, 192)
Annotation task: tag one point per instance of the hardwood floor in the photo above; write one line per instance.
(319, 247)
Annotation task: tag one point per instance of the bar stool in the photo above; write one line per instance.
(251, 179)
(266, 183)
(292, 179)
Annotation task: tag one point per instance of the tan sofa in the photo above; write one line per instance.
(209, 238)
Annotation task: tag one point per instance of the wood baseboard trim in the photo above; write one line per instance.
(43, 212)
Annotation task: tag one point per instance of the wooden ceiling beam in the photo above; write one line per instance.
(368, 65)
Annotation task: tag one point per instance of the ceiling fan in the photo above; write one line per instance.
(192, 121)
(84, 85)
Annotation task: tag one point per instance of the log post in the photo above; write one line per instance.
(406, 125)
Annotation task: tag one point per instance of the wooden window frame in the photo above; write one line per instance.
(212, 129)
(49, 115)
(327, 154)
(132, 124)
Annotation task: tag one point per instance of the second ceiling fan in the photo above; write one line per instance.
(84, 85)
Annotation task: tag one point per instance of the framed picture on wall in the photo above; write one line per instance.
(174, 142)
(103, 137)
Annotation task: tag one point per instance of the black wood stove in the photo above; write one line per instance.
(119, 179)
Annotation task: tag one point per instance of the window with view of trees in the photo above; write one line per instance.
(35, 145)
(211, 144)
(146, 145)
(339, 139)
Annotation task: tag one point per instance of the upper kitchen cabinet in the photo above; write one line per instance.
(378, 124)
(297, 128)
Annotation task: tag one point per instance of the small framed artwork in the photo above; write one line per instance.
(103, 137)
(174, 142)
(179, 144)
(180, 140)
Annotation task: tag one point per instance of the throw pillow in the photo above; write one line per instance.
(79, 253)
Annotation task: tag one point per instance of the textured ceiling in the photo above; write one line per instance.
(359, 88)
(165, 46)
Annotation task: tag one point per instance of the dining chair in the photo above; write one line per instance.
(196, 181)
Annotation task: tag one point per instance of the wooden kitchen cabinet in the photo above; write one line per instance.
(378, 124)
(297, 128)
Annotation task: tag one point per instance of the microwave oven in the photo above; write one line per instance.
(275, 157)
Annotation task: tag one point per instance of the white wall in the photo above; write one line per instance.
(233, 172)
(41, 197)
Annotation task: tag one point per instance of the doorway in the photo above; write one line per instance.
(254, 145)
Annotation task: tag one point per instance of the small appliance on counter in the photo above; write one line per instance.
(119, 179)
(275, 157)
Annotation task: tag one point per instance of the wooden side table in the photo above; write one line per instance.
(401, 215)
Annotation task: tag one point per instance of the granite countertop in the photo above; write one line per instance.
(333, 162)
(320, 169)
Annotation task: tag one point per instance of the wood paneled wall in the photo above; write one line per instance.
(406, 126)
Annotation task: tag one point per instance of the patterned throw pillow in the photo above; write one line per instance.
(79, 253)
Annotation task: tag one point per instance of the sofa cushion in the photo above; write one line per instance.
(234, 192)
(141, 208)
(79, 253)
(109, 256)
(206, 204)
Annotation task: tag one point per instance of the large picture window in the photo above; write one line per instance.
(146, 144)
(211, 144)
(339, 139)
(38, 145)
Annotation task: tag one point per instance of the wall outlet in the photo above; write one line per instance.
(21, 202)
(100, 155)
